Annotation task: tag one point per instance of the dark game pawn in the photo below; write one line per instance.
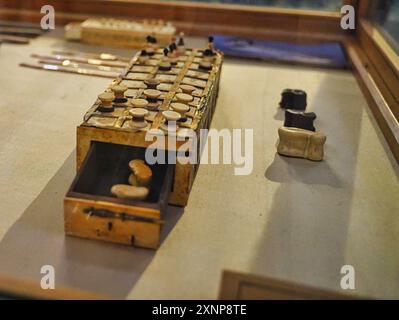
(180, 43)
(172, 53)
(210, 50)
(293, 99)
(165, 65)
(106, 100)
(300, 120)
(152, 83)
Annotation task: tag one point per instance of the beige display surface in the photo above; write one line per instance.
(291, 219)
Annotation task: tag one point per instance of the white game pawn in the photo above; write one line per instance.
(138, 115)
(171, 118)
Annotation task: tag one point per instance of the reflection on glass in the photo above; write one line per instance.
(385, 14)
(327, 5)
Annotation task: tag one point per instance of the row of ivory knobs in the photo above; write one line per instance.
(118, 92)
(138, 112)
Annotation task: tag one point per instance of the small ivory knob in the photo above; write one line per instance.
(171, 115)
(106, 98)
(152, 94)
(119, 91)
(186, 88)
(184, 97)
(180, 108)
(124, 191)
(139, 103)
(138, 113)
(206, 65)
(165, 65)
(152, 83)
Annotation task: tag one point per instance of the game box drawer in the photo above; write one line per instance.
(91, 211)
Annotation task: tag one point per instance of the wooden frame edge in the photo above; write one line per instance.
(198, 19)
(378, 98)
(233, 283)
(28, 289)
(381, 44)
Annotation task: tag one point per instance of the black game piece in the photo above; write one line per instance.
(165, 65)
(172, 48)
(152, 83)
(293, 99)
(300, 120)
(120, 100)
(151, 39)
(209, 51)
(181, 41)
(105, 109)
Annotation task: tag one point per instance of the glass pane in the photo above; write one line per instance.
(385, 14)
(326, 5)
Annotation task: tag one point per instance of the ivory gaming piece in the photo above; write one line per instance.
(300, 143)
(184, 97)
(119, 92)
(141, 173)
(171, 117)
(152, 94)
(139, 103)
(138, 115)
(124, 191)
(106, 99)
(181, 108)
(186, 88)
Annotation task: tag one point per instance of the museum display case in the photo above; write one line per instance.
(303, 95)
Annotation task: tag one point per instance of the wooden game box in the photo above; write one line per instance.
(119, 33)
(106, 142)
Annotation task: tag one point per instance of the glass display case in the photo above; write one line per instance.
(385, 15)
(325, 5)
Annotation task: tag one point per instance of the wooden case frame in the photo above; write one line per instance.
(184, 171)
(98, 216)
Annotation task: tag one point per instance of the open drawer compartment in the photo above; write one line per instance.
(91, 211)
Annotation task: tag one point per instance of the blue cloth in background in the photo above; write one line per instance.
(324, 54)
